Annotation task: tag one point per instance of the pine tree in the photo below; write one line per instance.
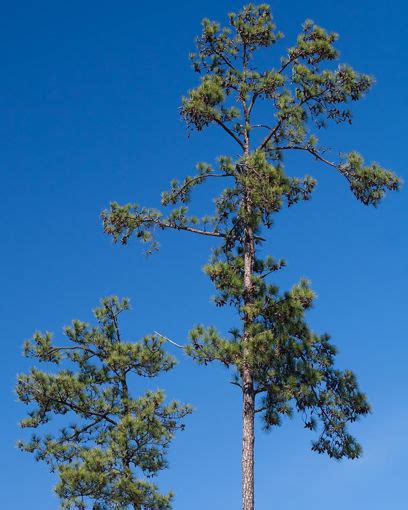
(280, 364)
(111, 442)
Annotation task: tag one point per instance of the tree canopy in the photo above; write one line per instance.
(111, 442)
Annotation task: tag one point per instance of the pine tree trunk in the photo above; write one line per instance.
(248, 442)
(248, 404)
(248, 394)
(125, 459)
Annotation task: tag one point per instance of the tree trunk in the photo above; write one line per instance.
(125, 459)
(248, 441)
(248, 394)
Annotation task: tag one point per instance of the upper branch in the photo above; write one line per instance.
(311, 150)
(230, 132)
(164, 225)
(272, 133)
(368, 183)
(181, 192)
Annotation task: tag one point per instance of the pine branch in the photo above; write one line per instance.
(174, 226)
(190, 181)
(311, 150)
(272, 133)
(231, 133)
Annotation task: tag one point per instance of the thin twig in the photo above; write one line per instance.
(313, 151)
(168, 340)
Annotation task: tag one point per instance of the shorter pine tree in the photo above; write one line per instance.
(112, 442)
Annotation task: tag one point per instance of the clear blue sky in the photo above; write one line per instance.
(89, 100)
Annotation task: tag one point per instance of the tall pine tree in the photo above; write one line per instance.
(111, 442)
(280, 365)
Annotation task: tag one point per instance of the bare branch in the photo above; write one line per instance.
(252, 103)
(271, 134)
(164, 225)
(310, 150)
(265, 126)
(231, 133)
(168, 340)
(174, 226)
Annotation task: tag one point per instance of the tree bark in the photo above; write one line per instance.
(248, 441)
(248, 394)
(125, 460)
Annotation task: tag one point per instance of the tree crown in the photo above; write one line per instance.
(112, 442)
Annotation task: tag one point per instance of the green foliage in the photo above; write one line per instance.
(368, 183)
(291, 367)
(200, 107)
(112, 442)
(304, 96)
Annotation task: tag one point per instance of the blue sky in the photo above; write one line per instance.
(89, 101)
